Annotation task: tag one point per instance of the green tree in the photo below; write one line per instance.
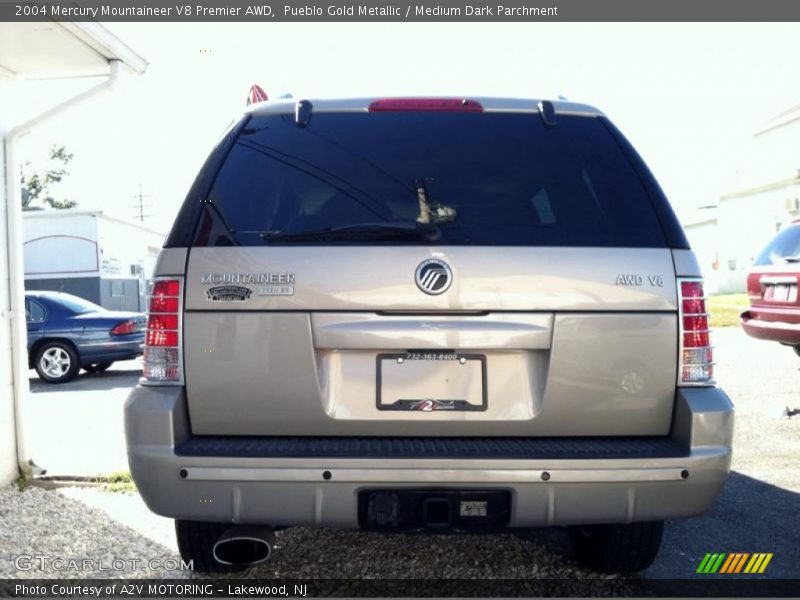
(36, 186)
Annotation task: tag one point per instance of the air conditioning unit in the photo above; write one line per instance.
(792, 205)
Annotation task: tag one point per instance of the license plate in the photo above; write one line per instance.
(781, 293)
(431, 381)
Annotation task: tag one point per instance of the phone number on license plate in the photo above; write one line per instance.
(432, 356)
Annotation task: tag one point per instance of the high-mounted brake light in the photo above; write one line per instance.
(696, 361)
(425, 105)
(163, 359)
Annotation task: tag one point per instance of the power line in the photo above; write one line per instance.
(141, 205)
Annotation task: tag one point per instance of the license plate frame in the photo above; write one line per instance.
(431, 404)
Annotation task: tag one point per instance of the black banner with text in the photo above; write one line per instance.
(260, 588)
(399, 11)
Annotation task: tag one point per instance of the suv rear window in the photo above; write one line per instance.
(784, 245)
(482, 178)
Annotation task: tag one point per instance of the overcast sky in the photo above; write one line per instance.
(687, 96)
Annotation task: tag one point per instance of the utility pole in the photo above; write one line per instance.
(140, 205)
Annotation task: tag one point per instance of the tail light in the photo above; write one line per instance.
(696, 364)
(163, 356)
(124, 328)
(425, 105)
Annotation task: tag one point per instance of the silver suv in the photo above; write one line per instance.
(427, 314)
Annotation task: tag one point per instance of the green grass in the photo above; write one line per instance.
(118, 481)
(118, 477)
(726, 308)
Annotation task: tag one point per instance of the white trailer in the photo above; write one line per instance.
(89, 254)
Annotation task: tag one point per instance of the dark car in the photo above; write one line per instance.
(772, 286)
(67, 333)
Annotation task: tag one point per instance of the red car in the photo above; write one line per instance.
(772, 285)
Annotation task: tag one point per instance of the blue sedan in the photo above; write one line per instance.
(67, 333)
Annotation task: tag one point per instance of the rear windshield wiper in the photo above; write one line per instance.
(792, 259)
(357, 231)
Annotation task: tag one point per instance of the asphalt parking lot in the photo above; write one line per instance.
(76, 428)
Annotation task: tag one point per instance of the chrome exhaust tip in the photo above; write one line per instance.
(244, 545)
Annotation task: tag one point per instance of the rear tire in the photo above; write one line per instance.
(56, 362)
(617, 548)
(97, 367)
(196, 541)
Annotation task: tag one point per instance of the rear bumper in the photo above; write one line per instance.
(321, 488)
(111, 350)
(775, 330)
